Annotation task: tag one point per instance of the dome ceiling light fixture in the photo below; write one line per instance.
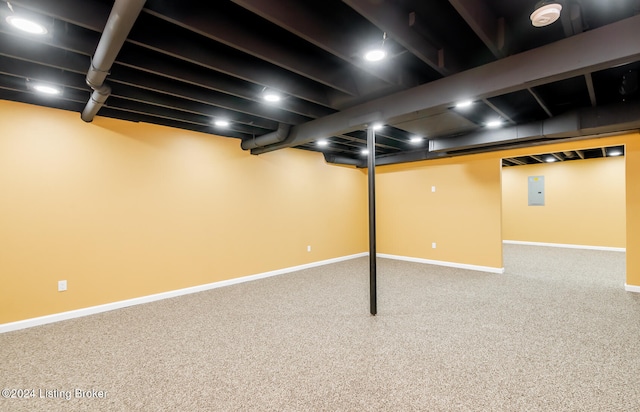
(545, 13)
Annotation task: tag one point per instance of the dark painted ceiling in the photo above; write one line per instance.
(188, 63)
(565, 156)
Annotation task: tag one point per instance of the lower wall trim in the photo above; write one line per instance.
(443, 263)
(632, 288)
(57, 317)
(605, 248)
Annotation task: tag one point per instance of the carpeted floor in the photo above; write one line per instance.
(556, 332)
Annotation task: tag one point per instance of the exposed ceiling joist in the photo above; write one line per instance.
(244, 67)
(397, 25)
(235, 65)
(537, 158)
(594, 153)
(295, 17)
(501, 113)
(384, 143)
(90, 15)
(585, 122)
(515, 161)
(149, 61)
(571, 18)
(590, 89)
(72, 62)
(556, 61)
(187, 65)
(541, 102)
(216, 27)
(489, 28)
(33, 71)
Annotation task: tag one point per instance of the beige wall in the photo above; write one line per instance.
(584, 203)
(123, 210)
(462, 216)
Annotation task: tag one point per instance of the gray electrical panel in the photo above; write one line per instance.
(536, 190)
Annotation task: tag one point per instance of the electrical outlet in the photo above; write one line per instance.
(309, 248)
(433, 189)
(433, 245)
(62, 285)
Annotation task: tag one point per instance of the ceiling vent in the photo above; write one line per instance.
(545, 14)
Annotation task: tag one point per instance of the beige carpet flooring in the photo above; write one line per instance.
(556, 332)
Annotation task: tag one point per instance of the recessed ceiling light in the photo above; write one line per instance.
(375, 55)
(545, 14)
(463, 104)
(494, 123)
(615, 153)
(365, 151)
(415, 139)
(221, 123)
(271, 96)
(550, 159)
(46, 89)
(322, 142)
(25, 25)
(377, 126)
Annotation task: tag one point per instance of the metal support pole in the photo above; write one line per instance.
(371, 163)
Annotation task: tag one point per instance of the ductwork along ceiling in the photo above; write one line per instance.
(207, 66)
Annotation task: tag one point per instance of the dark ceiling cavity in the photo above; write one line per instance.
(569, 155)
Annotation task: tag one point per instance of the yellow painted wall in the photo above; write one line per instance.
(632, 188)
(462, 216)
(122, 210)
(632, 156)
(584, 203)
(467, 217)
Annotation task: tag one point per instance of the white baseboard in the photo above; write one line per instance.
(443, 263)
(632, 288)
(57, 317)
(605, 248)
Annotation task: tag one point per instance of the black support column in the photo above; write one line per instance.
(371, 164)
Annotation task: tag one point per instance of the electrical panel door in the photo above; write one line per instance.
(536, 190)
